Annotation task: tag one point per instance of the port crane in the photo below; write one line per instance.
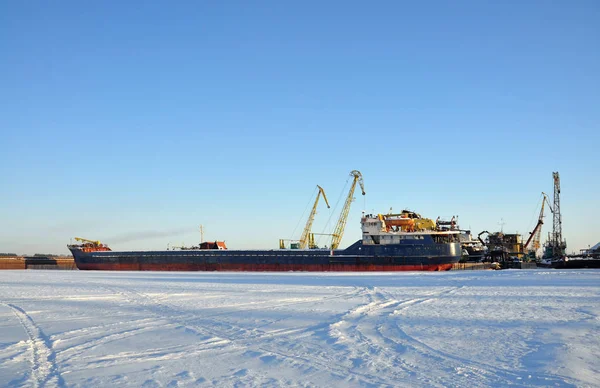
(307, 238)
(341, 224)
(306, 235)
(536, 234)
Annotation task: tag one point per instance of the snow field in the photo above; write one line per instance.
(157, 329)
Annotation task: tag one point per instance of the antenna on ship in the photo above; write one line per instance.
(201, 234)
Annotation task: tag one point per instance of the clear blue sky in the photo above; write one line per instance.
(135, 122)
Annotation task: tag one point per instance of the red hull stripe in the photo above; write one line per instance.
(261, 267)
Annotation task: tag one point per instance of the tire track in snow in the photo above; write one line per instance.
(358, 332)
(494, 375)
(456, 364)
(310, 357)
(486, 373)
(162, 310)
(309, 362)
(69, 335)
(241, 339)
(199, 324)
(497, 375)
(157, 354)
(44, 371)
(89, 338)
(361, 349)
(74, 351)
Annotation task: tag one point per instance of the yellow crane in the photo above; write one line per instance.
(341, 224)
(536, 235)
(304, 239)
(96, 242)
(307, 238)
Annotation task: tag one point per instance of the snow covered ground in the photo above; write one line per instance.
(151, 329)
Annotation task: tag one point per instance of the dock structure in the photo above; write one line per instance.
(8, 262)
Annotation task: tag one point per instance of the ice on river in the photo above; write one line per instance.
(153, 329)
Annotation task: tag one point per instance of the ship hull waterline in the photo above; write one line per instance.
(261, 267)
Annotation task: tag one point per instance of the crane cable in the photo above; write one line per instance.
(326, 227)
(303, 213)
(535, 216)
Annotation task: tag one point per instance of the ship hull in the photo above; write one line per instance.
(358, 257)
(262, 267)
(576, 263)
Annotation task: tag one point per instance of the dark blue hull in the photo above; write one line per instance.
(358, 257)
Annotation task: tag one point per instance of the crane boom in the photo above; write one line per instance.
(341, 224)
(536, 235)
(479, 237)
(96, 242)
(304, 239)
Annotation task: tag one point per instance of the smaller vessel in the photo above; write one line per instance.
(474, 248)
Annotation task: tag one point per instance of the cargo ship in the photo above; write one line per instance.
(391, 242)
